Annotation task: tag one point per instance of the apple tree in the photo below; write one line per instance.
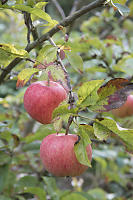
(66, 76)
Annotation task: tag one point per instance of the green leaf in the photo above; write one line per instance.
(25, 75)
(58, 125)
(75, 60)
(80, 147)
(126, 135)
(87, 129)
(37, 12)
(39, 192)
(100, 131)
(48, 53)
(63, 110)
(95, 69)
(87, 93)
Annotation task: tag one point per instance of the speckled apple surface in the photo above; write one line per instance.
(41, 98)
(58, 156)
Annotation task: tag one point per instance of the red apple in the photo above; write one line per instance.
(126, 109)
(41, 98)
(58, 156)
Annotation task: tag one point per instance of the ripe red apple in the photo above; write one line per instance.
(58, 156)
(126, 109)
(41, 98)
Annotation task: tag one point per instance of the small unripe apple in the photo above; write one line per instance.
(126, 109)
(58, 156)
(41, 98)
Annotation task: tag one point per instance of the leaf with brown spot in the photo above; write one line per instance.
(114, 93)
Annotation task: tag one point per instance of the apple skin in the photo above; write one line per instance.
(126, 109)
(41, 98)
(58, 156)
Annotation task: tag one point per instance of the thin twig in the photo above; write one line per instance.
(59, 8)
(74, 7)
(71, 97)
(64, 70)
(67, 21)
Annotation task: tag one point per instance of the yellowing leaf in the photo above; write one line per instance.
(100, 131)
(25, 75)
(8, 50)
(41, 4)
(87, 93)
(63, 110)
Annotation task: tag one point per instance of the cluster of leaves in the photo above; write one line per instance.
(102, 49)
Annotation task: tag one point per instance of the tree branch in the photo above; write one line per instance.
(67, 21)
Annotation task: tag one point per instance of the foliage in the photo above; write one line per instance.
(98, 57)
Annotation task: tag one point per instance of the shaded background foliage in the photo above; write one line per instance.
(104, 40)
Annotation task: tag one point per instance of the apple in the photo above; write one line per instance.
(58, 156)
(126, 109)
(41, 98)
